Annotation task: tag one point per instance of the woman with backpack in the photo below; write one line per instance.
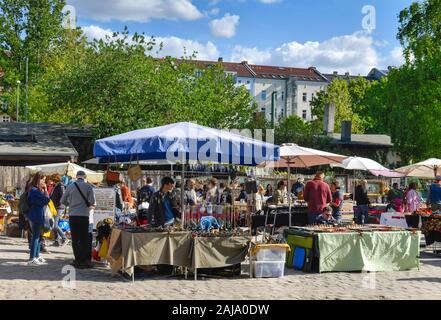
(38, 199)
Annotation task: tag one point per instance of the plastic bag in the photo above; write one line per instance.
(48, 219)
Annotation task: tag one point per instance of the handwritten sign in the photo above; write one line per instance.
(105, 205)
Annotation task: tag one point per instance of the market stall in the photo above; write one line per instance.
(183, 143)
(359, 248)
(69, 169)
(138, 247)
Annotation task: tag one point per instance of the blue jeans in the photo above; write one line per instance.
(35, 240)
(59, 234)
(312, 217)
(363, 214)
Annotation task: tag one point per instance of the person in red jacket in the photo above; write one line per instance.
(318, 195)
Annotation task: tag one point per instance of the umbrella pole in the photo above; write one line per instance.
(182, 195)
(289, 194)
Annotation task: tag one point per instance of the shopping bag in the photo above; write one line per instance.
(48, 220)
(135, 172)
(52, 208)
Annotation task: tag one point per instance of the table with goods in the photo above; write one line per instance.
(174, 246)
(325, 248)
(278, 216)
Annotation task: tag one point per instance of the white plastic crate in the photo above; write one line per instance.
(271, 254)
(268, 269)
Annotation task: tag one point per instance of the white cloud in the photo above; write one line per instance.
(172, 46)
(395, 58)
(252, 55)
(136, 10)
(225, 27)
(269, 1)
(95, 32)
(356, 53)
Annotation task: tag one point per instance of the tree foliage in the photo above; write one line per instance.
(117, 86)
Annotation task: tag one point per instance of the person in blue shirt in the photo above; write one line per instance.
(163, 209)
(326, 217)
(243, 194)
(434, 196)
(38, 199)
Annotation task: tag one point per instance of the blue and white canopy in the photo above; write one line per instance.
(185, 141)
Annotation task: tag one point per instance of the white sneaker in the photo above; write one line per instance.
(41, 260)
(34, 262)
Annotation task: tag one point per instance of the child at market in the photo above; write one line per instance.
(326, 217)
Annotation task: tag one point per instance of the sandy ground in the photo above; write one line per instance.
(19, 281)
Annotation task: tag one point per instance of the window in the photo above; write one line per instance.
(304, 114)
(312, 97)
(263, 110)
(305, 97)
(248, 81)
(263, 95)
(5, 118)
(283, 96)
(240, 81)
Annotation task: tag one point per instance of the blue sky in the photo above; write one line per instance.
(327, 34)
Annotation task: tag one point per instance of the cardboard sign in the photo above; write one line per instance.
(393, 219)
(105, 205)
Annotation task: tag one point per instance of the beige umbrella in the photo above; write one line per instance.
(429, 168)
(295, 156)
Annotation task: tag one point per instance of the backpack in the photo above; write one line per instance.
(24, 206)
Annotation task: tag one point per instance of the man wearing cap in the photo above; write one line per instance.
(434, 196)
(80, 199)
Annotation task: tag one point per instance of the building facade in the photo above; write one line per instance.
(278, 91)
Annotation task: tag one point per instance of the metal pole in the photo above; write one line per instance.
(18, 98)
(289, 193)
(182, 194)
(27, 89)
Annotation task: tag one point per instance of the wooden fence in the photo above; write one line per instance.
(13, 177)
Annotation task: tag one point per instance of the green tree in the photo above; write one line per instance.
(28, 28)
(337, 93)
(420, 30)
(118, 87)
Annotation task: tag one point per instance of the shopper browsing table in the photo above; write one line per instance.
(163, 209)
(80, 199)
(362, 199)
(434, 196)
(337, 201)
(318, 195)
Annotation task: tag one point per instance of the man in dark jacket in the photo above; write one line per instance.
(362, 199)
(163, 209)
(144, 195)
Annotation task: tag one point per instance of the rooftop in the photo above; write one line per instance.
(24, 141)
(378, 140)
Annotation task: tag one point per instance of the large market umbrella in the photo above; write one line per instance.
(429, 168)
(365, 164)
(69, 169)
(185, 141)
(295, 156)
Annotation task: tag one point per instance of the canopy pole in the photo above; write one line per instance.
(182, 194)
(289, 193)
